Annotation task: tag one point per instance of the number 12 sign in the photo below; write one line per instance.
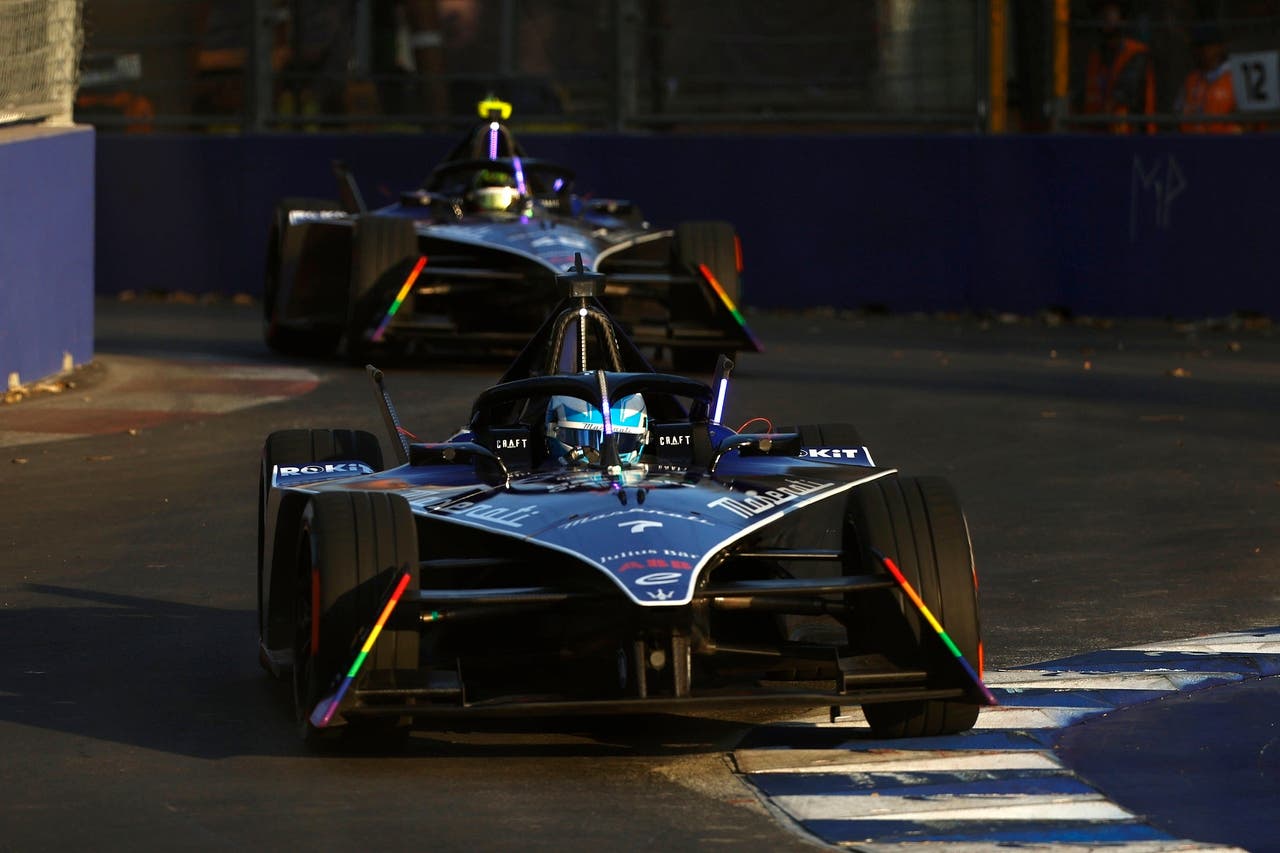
(1256, 80)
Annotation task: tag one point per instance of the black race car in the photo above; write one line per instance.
(597, 540)
(469, 260)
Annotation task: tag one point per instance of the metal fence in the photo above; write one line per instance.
(596, 64)
(1173, 32)
(660, 65)
(39, 49)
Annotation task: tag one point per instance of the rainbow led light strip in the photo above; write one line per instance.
(937, 626)
(376, 337)
(323, 713)
(728, 303)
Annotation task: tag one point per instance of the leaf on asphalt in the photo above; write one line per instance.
(1178, 373)
(98, 458)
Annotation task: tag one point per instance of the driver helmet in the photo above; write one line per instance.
(494, 190)
(575, 429)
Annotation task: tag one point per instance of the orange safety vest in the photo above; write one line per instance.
(1209, 94)
(1100, 96)
(136, 107)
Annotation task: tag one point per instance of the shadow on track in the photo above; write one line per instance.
(183, 679)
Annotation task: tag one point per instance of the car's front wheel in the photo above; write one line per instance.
(353, 547)
(917, 523)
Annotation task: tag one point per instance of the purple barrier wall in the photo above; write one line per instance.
(1159, 226)
(46, 250)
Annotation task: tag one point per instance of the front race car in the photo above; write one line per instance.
(503, 573)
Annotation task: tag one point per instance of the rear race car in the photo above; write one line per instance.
(468, 262)
(597, 540)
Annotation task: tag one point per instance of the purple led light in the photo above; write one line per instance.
(724, 386)
(520, 187)
(493, 140)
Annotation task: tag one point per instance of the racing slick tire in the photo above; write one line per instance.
(352, 548)
(918, 523)
(380, 245)
(716, 245)
(280, 338)
(304, 447)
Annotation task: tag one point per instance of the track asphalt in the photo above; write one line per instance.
(1166, 747)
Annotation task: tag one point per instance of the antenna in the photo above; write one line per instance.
(584, 285)
(399, 442)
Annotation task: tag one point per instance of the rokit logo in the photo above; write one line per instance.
(833, 452)
(754, 503)
(326, 468)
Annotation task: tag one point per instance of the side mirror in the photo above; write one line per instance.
(759, 444)
(456, 453)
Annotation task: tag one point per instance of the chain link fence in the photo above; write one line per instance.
(565, 64)
(656, 65)
(39, 55)
(1178, 36)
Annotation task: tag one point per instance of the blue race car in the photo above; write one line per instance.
(598, 540)
(469, 260)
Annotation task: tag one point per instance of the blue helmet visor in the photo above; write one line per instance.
(591, 439)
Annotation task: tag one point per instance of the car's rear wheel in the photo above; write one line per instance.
(383, 247)
(278, 336)
(352, 549)
(715, 245)
(918, 523)
(305, 447)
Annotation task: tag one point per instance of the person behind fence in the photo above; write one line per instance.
(1208, 91)
(1119, 78)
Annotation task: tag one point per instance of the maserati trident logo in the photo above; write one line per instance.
(639, 526)
(661, 595)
